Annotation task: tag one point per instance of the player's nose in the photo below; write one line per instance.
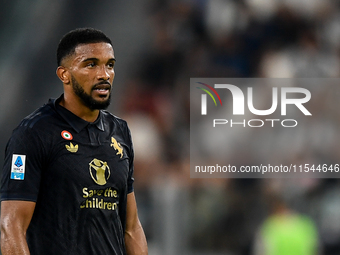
(105, 73)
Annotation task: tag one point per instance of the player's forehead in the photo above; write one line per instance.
(100, 50)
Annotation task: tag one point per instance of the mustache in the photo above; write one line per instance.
(102, 85)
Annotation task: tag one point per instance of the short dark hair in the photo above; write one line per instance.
(72, 39)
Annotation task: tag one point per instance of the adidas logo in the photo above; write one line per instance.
(72, 148)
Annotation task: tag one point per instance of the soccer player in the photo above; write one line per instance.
(67, 184)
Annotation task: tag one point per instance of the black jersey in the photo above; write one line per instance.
(79, 175)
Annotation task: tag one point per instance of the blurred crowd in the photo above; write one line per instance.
(228, 38)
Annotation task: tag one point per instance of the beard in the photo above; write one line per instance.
(87, 99)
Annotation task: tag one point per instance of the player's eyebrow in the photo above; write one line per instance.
(90, 59)
(96, 59)
(112, 60)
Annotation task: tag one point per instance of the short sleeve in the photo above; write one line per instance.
(131, 164)
(23, 163)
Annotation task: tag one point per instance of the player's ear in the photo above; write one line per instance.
(63, 74)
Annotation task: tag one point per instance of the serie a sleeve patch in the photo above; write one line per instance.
(18, 167)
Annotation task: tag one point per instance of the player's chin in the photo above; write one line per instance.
(101, 104)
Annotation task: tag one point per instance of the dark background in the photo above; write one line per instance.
(159, 45)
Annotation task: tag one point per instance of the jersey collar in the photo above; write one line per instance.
(73, 120)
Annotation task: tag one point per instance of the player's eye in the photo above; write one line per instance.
(111, 65)
(91, 64)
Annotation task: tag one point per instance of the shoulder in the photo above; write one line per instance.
(109, 117)
(34, 132)
(39, 118)
(38, 124)
(117, 125)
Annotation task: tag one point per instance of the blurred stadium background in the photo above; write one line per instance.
(159, 45)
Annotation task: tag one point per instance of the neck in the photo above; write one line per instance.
(79, 109)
